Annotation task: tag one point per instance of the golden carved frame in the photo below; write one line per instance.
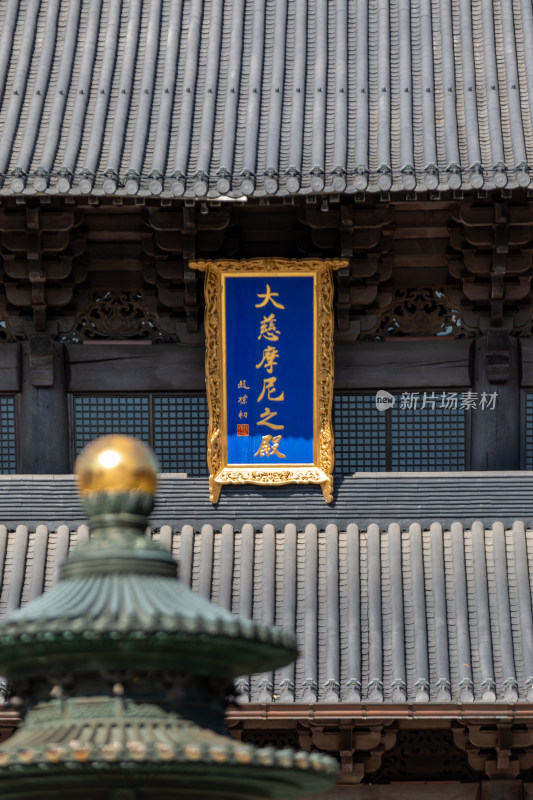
(219, 471)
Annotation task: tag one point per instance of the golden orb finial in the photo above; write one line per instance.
(116, 464)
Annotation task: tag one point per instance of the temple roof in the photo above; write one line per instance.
(438, 614)
(394, 613)
(247, 97)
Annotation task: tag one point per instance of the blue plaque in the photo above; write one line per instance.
(270, 380)
(269, 371)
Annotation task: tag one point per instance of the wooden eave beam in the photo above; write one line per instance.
(329, 712)
(366, 711)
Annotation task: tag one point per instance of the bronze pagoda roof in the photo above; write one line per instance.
(123, 671)
(209, 98)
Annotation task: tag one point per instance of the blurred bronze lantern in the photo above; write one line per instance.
(124, 671)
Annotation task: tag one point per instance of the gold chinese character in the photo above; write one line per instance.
(268, 387)
(243, 400)
(268, 329)
(268, 296)
(269, 446)
(269, 359)
(242, 385)
(243, 415)
(265, 418)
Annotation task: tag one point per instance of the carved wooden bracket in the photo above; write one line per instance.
(492, 263)
(500, 750)
(40, 255)
(365, 237)
(118, 315)
(421, 312)
(360, 749)
(174, 237)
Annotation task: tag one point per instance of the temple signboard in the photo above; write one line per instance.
(269, 371)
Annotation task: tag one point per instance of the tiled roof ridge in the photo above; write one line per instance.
(199, 98)
(365, 498)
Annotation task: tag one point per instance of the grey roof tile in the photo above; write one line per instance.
(247, 97)
(432, 614)
(364, 498)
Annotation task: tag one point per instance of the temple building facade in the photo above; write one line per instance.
(139, 136)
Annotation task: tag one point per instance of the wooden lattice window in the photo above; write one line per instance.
(175, 426)
(421, 432)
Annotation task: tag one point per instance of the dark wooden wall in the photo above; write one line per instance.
(44, 381)
(474, 250)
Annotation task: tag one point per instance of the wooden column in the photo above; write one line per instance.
(495, 435)
(44, 425)
(502, 790)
